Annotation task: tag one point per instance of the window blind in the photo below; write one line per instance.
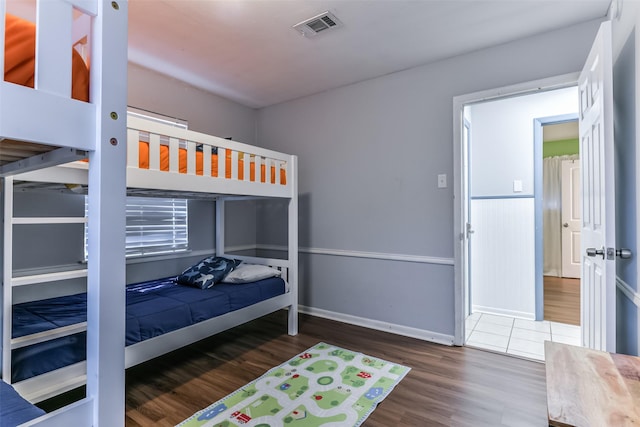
(155, 226)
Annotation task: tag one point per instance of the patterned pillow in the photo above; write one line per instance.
(207, 272)
(247, 273)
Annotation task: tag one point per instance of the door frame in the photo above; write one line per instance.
(538, 123)
(460, 175)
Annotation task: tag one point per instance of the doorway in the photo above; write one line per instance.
(500, 227)
(561, 213)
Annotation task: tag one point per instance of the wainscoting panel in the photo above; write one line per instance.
(503, 256)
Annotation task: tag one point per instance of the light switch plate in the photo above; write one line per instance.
(517, 186)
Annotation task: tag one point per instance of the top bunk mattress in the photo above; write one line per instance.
(153, 308)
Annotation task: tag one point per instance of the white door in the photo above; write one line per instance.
(466, 129)
(598, 295)
(571, 209)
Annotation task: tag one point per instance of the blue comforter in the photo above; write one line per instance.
(153, 308)
(14, 410)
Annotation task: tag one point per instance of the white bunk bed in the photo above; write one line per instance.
(44, 126)
(255, 173)
(186, 184)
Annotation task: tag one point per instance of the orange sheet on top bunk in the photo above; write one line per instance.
(20, 58)
(143, 163)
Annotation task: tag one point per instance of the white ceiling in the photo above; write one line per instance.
(246, 50)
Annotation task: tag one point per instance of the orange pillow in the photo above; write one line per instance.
(20, 58)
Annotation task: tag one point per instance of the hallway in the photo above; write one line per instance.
(517, 337)
(525, 338)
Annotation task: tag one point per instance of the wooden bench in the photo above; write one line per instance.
(591, 388)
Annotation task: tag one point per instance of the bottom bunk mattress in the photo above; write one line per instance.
(14, 410)
(153, 308)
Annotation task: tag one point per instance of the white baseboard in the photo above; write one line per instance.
(628, 291)
(406, 331)
(501, 312)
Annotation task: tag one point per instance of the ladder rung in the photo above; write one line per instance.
(53, 383)
(48, 277)
(49, 220)
(48, 335)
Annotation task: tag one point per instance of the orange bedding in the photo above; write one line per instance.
(20, 58)
(143, 161)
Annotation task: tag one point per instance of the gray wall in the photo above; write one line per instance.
(204, 111)
(626, 109)
(369, 157)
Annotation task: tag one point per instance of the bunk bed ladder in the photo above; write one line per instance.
(101, 133)
(11, 282)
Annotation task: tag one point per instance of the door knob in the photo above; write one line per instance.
(565, 225)
(595, 252)
(624, 253)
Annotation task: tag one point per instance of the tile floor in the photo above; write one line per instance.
(524, 338)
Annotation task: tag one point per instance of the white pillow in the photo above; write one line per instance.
(245, 273)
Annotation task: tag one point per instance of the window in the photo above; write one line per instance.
(154, 226)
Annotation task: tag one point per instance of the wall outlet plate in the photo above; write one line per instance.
(442, 180)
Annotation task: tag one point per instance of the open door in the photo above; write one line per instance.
(598, 295)
(571, 223)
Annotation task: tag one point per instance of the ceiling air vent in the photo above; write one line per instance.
(319, 23)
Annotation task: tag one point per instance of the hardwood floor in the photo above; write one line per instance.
(562, 300)
(447, 386)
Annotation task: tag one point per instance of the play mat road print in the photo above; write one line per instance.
(325, 385)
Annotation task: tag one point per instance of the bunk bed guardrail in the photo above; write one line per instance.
(208, 166)
(28, 147)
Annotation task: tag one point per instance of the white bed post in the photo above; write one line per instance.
(293, 247)
(7, 273)
(220, 226)
(106, 239)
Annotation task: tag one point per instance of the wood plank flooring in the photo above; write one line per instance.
(562, 300)
(447, 386)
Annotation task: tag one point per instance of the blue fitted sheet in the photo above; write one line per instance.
(153, 308)
(14, 410)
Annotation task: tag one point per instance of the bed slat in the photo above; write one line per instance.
(48, 277)
(206, 165)
(133, 151)
(49, 335)
(37, 389)
(222, 162)
(154, 152)
(174, 147)
(53, 55)
(191, 158)
(49, 220)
